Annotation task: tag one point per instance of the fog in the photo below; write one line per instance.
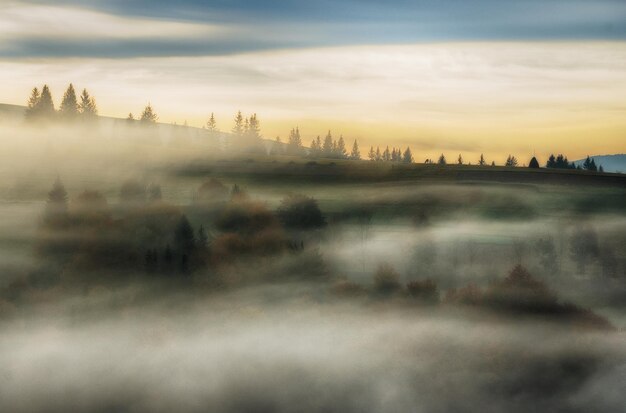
(240, 353)
(161, 268)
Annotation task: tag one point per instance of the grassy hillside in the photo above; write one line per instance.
(287, 169)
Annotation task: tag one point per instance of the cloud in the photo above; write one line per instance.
(116, 28)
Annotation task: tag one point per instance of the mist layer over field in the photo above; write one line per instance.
(242, 353)
(146, 269)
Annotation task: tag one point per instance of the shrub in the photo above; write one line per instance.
(300, 212)
(386, 279)
(424, 291)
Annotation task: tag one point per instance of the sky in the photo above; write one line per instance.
(441, 76)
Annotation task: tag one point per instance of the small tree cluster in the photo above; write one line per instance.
(511, 161)
(247, 130)
(559, 162)
(331, 148)
(393, 155)
(41, 106)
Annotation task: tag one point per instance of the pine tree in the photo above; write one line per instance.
(511, 161)
(379, 156)
(551, 163)
(294, 146)
(33, 102)
(148, 116)
(386, 155)
(442, 160)
(481, 161)
(371, 154)
(69, 104)
(45, 105)
(327, 147)
(253, 130)
(130, 118)
(341, 150)
(355, 155)
(87, 106)
(238, 128)
(407, 157)
(534, 163)
(211, 125)
(313, 148)
(459, 161)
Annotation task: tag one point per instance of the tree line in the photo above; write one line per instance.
(41, 105)
(247, 131)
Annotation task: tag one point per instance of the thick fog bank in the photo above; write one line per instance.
(239, 354)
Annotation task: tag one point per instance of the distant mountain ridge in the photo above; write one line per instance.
(610, 163)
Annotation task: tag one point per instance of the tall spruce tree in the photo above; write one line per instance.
(371, 154)
(407, 156)
(355, 154)
(442, 160)
(148, 116)
(33, 101)
(239, 127)
(45, 106)
(340, 150)
(211, 125)
(69, 105)
(87, 106)
(386, 155)
(328, 147)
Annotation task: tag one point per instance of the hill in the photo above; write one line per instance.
(610, 163)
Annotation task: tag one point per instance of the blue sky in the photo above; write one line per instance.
(247, 26)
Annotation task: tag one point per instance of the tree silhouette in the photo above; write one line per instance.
(253, 131)
(442, 160)
(87, 106)
(371, 154)
(459, 161)
(33, 102)
(511, 161)
(294, 145)
(45, 105)
(355, 154)
(590, 164)
(379, 156)
(341, 151)
(407, 157)
(301, 212)
(69, 104)
(327, 147)
(238, 128)
(386, 155)
(482, 161)
(148, 116)
(533, 163)
(211, 125)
